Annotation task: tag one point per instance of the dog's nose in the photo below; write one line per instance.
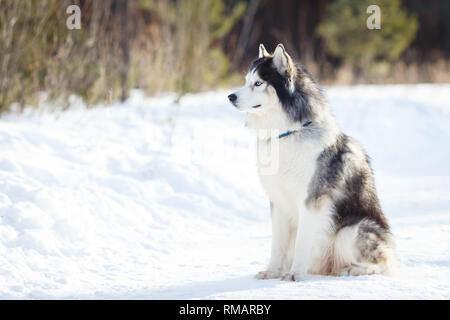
(232, 97)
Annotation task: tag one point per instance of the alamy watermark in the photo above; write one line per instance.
(74, 19)
(267, 151)
(266, 146)
(374, 20)
(229, 147)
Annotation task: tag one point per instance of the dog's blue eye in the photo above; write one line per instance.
(258, 83)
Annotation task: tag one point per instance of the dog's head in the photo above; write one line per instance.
(269, 79)
(275, 81)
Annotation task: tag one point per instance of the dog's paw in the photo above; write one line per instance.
(268, 274)
(293, 276)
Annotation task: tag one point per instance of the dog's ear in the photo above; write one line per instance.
(283, 61)
(263, 52)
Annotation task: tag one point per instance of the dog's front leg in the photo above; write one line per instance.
(282, 245)
(303, 245)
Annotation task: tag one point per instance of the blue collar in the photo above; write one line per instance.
(287, 133)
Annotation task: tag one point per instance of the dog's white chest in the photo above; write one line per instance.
(292, 167)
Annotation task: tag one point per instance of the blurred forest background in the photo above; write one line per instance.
(192, 45)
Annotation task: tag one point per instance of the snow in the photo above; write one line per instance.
(156, 200)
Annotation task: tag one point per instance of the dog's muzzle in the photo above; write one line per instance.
(232, 97)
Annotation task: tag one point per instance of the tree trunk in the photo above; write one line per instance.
(123, 7)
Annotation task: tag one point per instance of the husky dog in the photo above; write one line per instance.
(326, 216)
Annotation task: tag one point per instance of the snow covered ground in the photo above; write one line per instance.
(154, 200)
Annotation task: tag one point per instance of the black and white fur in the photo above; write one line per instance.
(326, 216)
